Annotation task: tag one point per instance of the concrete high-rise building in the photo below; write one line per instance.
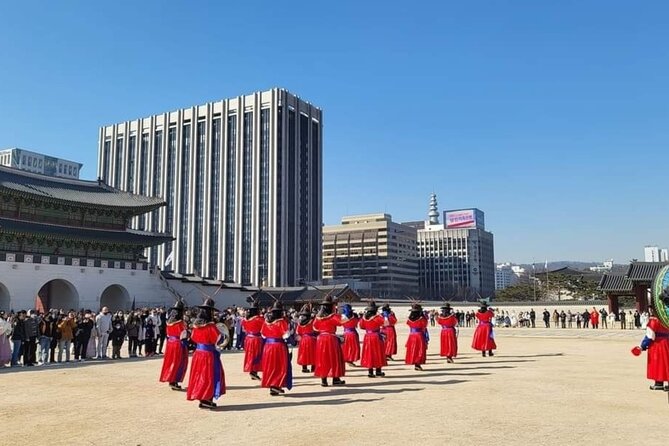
(455, 259)
(655, 254)
(372, 249)
(39, 163)
(242, 178)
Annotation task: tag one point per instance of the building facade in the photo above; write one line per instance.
(375, 250)
(456, 263)
(242, 178)
(507, 274)
(655, 254)
(39, 163)
(65, 244)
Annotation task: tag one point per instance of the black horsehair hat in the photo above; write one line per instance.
(209, 304)
(277, 307)
(178, 306)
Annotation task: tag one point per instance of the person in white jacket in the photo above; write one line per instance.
(104, 326)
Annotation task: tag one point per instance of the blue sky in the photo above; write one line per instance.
(549, 116)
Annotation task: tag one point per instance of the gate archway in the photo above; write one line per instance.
(115, 297)
(5, 301)
(57, 294)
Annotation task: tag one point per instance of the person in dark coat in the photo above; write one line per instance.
(117, 336)
(18, 336)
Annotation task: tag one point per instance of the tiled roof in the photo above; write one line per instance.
(128, 236)
(615, 283)
(308, 294)
(81, 192)
(644, 271)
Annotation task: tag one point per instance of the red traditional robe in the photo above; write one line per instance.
(449, 342)
(373, 354)
(391, 335)
(207, 379)
(275, 363)
(658, 351)
(416, 342)
(351, 348)
(175, 361)
(329, 357)
(306, 353)
(252, 344)
(483, 335)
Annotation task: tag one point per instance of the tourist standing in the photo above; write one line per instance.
(389, 331)
(622, 320)
(103, 322)
(329, 356)
(547, 318)
(594, 318)
(276, 370)
(484, 340)
(47, 329)
(66, 327)
(251, 325)
(117, 336)
(603, 317)
(83, 335)
(207, 379)
(175, 360)
(374, 355)
(449, 341)
(533, 317)
(30, 344)
(132, 330)
(5, 346)
(416, 345)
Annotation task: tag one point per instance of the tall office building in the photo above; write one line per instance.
(655, 254)
(375, 250)
(39, 163)
(242, 178)
(455, 259)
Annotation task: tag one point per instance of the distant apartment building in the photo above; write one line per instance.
(507, 274)
(606, 266)
(39, 163)
(455, 259)
(375, 250)
(655, 254)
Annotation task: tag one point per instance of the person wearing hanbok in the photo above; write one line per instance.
(449, 340)
(416, 344)
(306, 348)
(91, 348)
(329, 355)
(351, 347)
(5, 347)
(656, 343)
(389, 332)
(175, 360)
(253, 343)
(373, 356)
(276, 367)
(484, 340)
(206, 381)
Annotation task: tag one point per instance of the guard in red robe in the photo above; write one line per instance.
(207, 379)
(373, 351)
(175, 361)
(253, 343)
(656, 342)
(329, 356)
(276, 370)
(484, 338)
(389, 332)
(449, 341)
(416, 345)
(351, 348)
(306, 352)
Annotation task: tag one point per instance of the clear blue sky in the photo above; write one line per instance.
(552, 117)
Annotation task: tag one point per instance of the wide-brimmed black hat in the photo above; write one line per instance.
(484, 305)
(178, 306)
(277, 307)
(209, 304)
(305, 310)
(386, 307)
(327, 300)
(371, 307)
(416, 308)
(446, 307)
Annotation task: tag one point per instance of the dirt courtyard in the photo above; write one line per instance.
(543, 387)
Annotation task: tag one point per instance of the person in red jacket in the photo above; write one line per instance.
(175, 360)
(206, 380)
(484, 338)
(351, 348)
(389, 331)
(373, 353)
(329, 356)
(656, 342)
(449, 341)
(416, 345)
(276, 370)
(306, 352)
(253, 343)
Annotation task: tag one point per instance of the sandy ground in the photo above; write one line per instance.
(544, 387)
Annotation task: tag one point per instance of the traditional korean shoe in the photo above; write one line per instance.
(175, 386)
(371, 374)
(449, 360)
(483, 354)
(324, 382)
(380, 373)
(417, 367)
(657, 386)
(254, 376)
(338, 382)
(490, 353)
(305, 369)
(274, 391)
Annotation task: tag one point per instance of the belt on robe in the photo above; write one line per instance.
(313, 334)
(173, 338)
(350, 330)
(253, 334)
(373, 331)
(416, 330)
(275, 340)
(207, 348)
(445, 327)
(218, 372)
(662, 335)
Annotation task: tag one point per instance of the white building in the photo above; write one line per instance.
(604, 267)
(507, 275)
(242, 178)
(458, 262)
(39, 163)
(655, 254)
